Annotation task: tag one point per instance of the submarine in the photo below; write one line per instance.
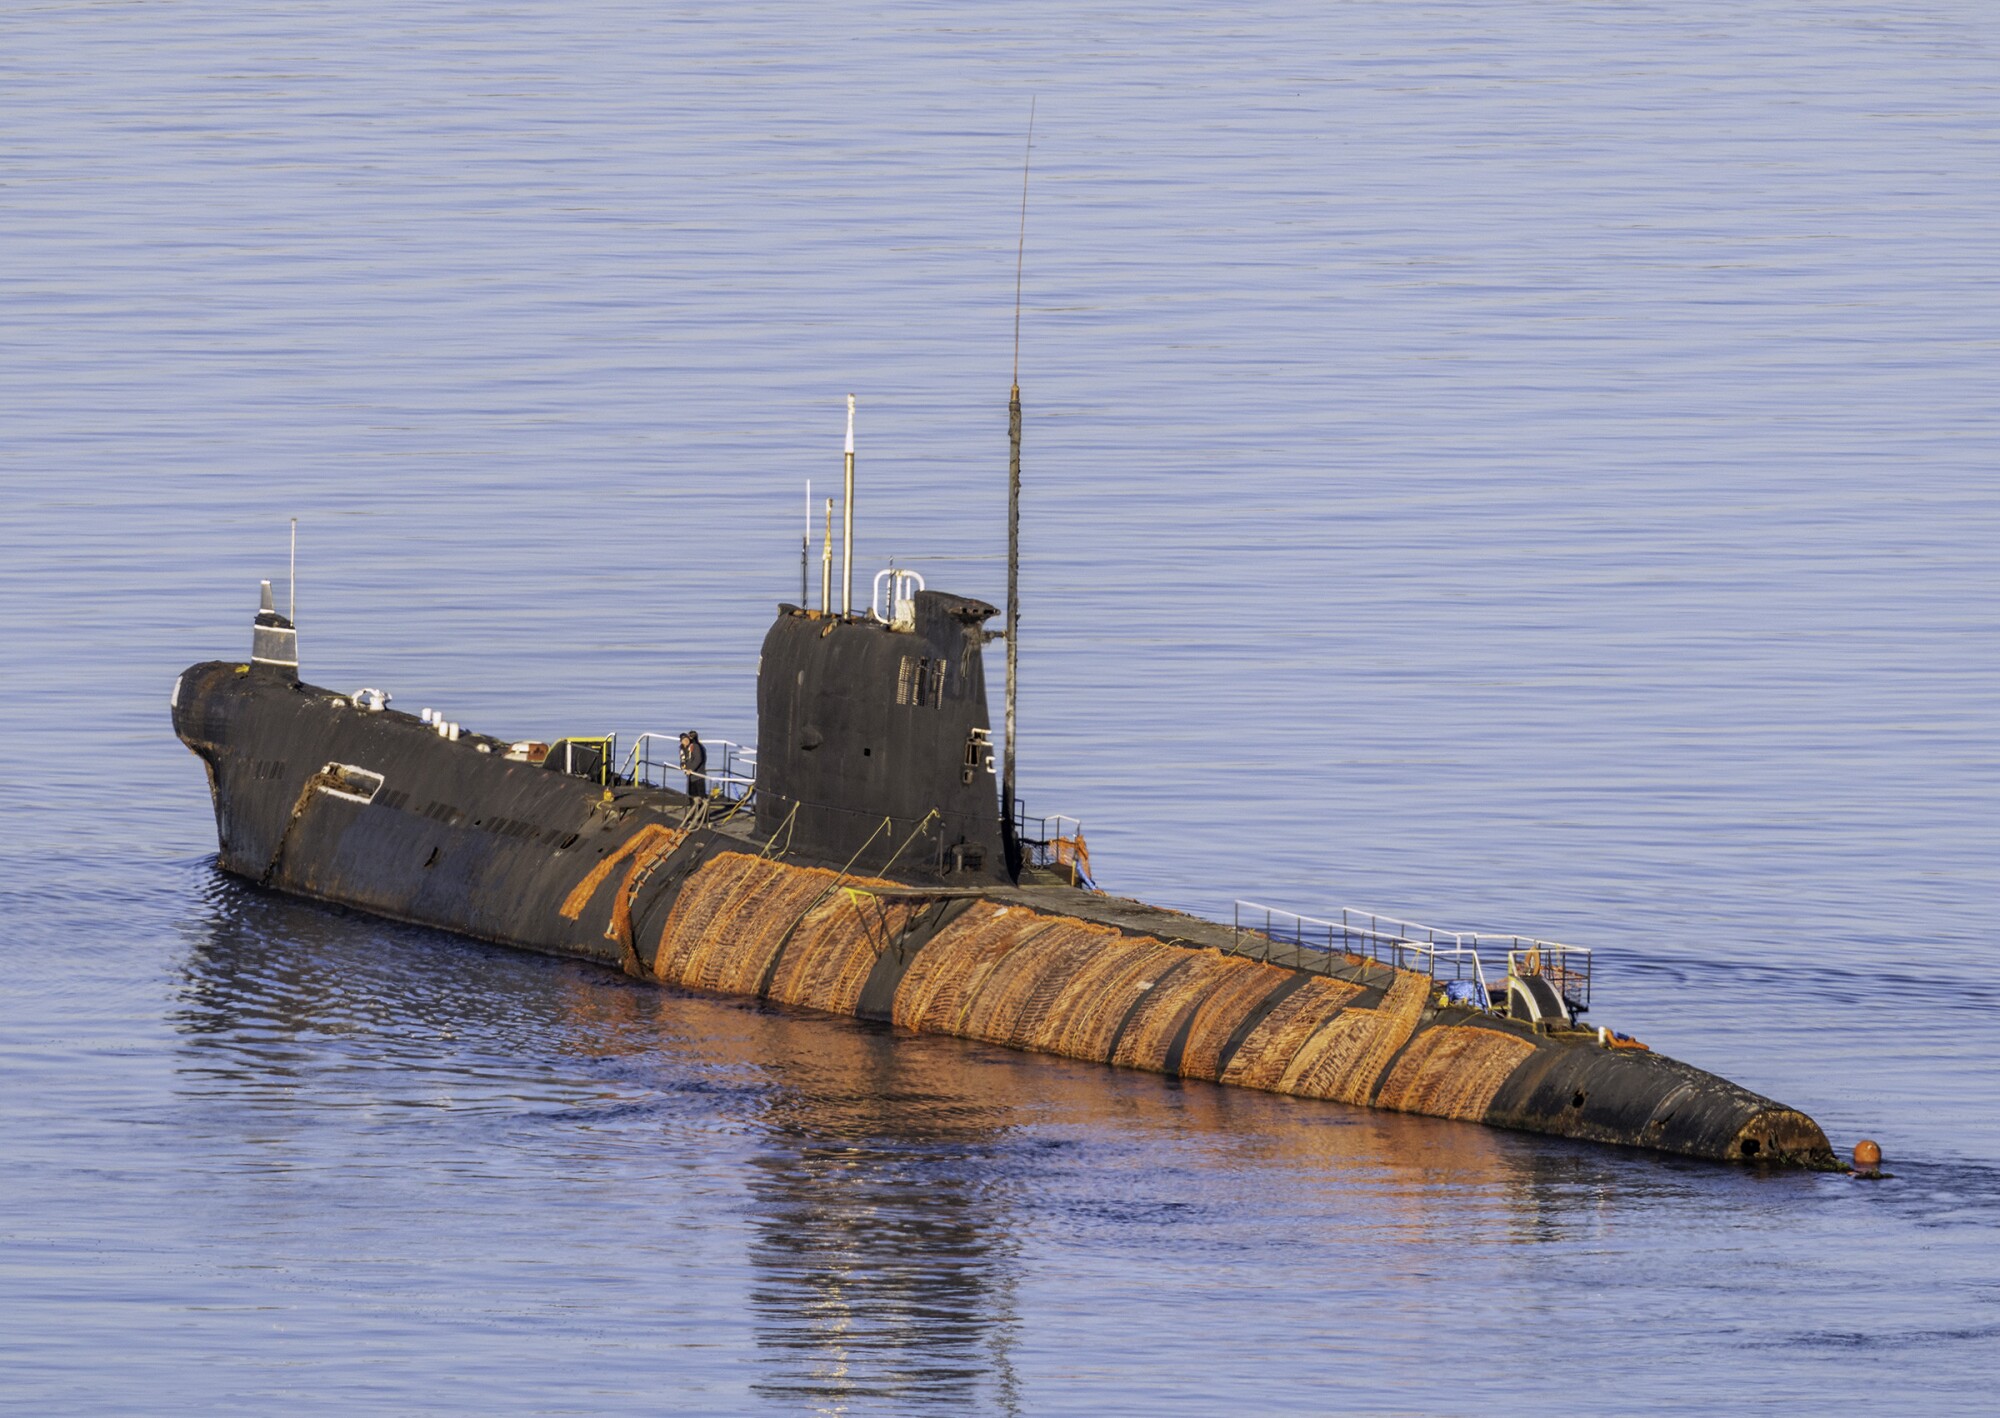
(869, 857)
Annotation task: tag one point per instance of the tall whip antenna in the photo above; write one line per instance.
(1021, 247)
(1007, 803)
(847, 519)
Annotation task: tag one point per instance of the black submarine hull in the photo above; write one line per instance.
(320, 797)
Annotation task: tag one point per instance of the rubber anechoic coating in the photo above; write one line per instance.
(1639, 1098)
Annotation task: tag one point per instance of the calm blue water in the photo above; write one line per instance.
(1512, 465)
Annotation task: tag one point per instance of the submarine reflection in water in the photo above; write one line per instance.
(884, 1236)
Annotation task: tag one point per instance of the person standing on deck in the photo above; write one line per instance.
(694, 760)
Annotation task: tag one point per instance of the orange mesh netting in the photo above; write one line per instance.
(1269, 1048)
(1453, 1072)
(619, 928)
(1059, 985)
(1228, 1004)
(703, 895)
(1085, 1020)
(1074, 853)
(652, 834)
(729, 920)
(1324, 1061)
(949, 971)
(735, 912)
(834, 948)
(1015, 996)
(1346, 1059)
(1177, 992)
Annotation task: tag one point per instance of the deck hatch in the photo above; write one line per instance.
(344, 780)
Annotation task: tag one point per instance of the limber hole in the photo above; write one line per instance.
(1577, 1101)
(1751, 1147)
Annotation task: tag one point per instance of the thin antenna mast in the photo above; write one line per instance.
(805, 548)
(826, 564)
(1014, 521)
(847, 518)
(294, 595)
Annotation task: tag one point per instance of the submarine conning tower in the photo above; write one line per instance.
(274, 640)
(873, 743)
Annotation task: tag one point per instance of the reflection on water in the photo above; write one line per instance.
(883, 1248)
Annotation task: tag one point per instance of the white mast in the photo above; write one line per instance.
(847, 519)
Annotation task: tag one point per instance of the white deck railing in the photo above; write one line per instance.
(1448, 957)
(732, 767)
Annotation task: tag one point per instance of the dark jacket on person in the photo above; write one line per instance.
(694, 759)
